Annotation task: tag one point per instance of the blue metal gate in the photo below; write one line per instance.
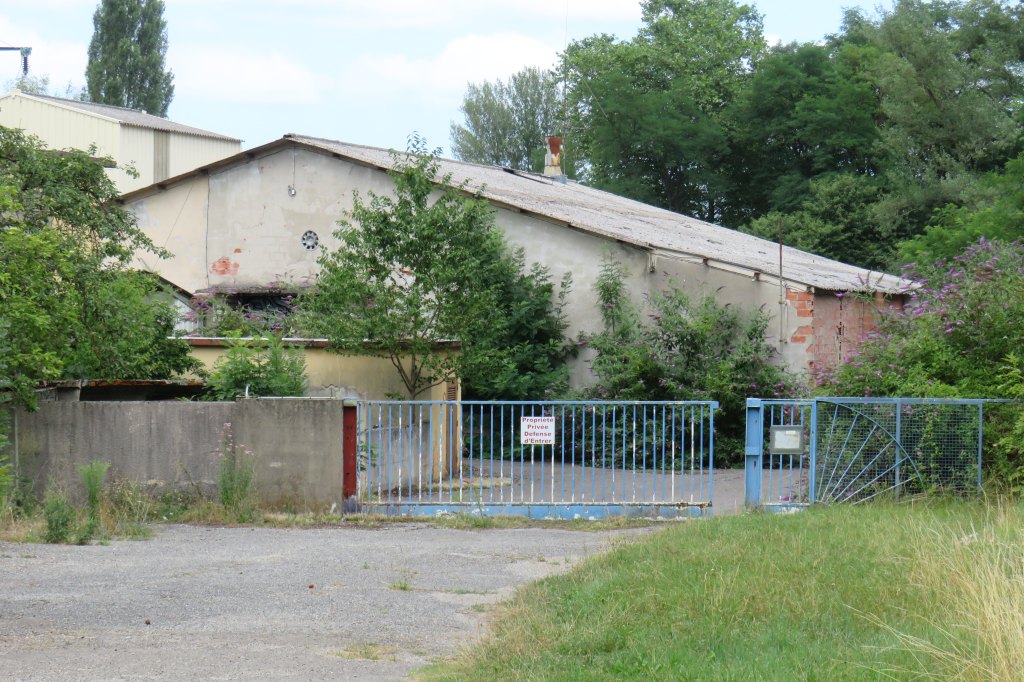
(554, 459)
(849, 450)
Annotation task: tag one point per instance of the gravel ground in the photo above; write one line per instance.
(242, 603)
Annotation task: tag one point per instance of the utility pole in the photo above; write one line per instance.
(25, 52)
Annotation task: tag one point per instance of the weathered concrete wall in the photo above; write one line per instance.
(297, 445)
(565, 250)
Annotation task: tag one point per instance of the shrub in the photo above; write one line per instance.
(693, 349)
(60, 518)
(962, 315)
(259, 366)
(215, 315)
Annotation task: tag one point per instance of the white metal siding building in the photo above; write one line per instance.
(155, 147)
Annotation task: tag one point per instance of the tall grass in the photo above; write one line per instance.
(236, 476)
(93, 475)
(975, 570)
(830, 594)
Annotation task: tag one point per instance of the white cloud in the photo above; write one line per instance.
(401, 14)
(240, 75)
(443, 77)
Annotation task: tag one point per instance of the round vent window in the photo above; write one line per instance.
(309, 240)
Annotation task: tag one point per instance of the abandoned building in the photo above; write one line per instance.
(253, 225)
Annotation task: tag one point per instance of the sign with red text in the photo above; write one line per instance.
(537, 430)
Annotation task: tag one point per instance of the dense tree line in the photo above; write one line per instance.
(894, 130)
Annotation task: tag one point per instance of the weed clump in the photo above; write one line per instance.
(236, 476)
(60, 518)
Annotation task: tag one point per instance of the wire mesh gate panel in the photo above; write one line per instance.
(855, 449)
(555, 459)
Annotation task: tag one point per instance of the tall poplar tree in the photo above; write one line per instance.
(126, 56)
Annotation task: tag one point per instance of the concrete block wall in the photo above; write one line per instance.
(167, 445)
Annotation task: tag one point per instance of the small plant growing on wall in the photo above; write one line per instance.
(236, 476)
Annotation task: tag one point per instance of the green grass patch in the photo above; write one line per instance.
(827, 594)
(369, 652)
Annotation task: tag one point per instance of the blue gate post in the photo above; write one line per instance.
(981, 439)
(899, 446)
(813, 453)
(753, 452)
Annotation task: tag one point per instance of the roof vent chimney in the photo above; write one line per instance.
(553, 159)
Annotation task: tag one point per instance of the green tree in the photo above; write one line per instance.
(40, 85)
(808, 110)
(506, 122)
(950, 89)
(835, 219)
(126, 56)
(649, 115)
(1000, 216)
(71, 307)
(426, 266)
(405, 278)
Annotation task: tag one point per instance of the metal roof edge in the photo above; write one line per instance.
(67, 107)
(198, 132)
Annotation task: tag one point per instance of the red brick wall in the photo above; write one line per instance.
(831, 325)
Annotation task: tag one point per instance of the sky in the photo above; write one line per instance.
(363, 71)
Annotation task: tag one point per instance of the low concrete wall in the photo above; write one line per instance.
(166, 445)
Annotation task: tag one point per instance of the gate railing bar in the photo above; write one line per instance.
(839, 456)
(853, 459)
(435, 465)
(913, 401)
(813, 457)
(981, 422)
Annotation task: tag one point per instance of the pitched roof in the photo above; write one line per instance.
(131, 117)
(601, 213)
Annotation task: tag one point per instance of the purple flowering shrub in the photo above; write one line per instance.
(961, 320)
(959, 335)
(218, 314)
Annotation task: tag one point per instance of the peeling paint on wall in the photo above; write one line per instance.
(224, 266)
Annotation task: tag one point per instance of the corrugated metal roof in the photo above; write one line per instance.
(602, 213)
(131, 117)
(634, 222)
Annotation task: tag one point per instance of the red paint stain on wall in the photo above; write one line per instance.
(224, 266)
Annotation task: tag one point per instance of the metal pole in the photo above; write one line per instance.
(813, 452)
(349, 449)
(899, 444)
(753, 452)
(981, 423)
